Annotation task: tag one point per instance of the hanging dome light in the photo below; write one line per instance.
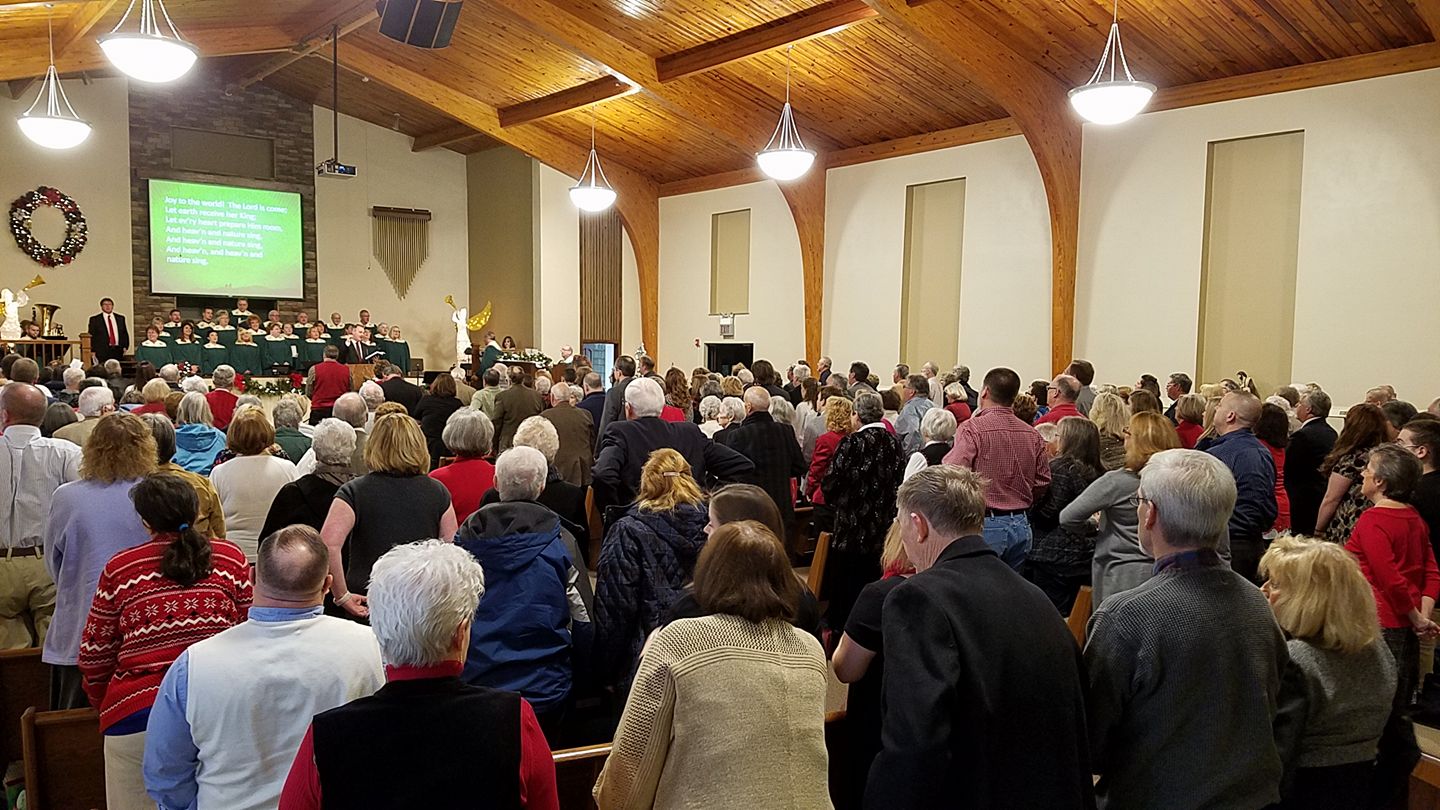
(1113, 100)
(57, 126)
(785, 156)
(593, 192)
(148, 53)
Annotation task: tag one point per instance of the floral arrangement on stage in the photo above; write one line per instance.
(294, 384)
(25, 206)
(528, 356)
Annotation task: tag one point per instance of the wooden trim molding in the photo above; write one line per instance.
(815, 21)
(350, 19)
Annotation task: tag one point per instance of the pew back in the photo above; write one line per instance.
(64, 760)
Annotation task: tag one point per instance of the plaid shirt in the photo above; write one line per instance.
(1008, 452)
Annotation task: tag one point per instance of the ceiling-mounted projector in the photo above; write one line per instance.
(334, 168)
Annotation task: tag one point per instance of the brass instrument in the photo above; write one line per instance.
(44, 316)
(34, 282)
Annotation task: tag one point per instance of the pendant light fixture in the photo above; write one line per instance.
(593, 192)
(57, 126)
(148, 53)
(1113, 100)
(785, 156)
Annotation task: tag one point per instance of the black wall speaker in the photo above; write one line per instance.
(422, 23)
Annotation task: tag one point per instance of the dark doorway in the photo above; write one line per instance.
(721, 357)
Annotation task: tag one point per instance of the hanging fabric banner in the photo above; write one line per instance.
(401, 241)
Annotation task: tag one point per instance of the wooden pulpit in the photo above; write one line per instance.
(359, 373)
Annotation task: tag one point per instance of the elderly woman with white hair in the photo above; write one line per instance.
(288, 415)
(558, 495)
(196, 384)
(710, 416)
(468, 434)
(521, 638)
(197, 442)
(425, 596)
(95, 402)
(306, 500)
(937, 431)
(72, 376)
(223, 399)
(732, 412)
(374, 395)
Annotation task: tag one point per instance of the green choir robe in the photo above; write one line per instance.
(275, 352)
(212, 356)
(245, 358)
(186, 351)
(397, 352)
(311, 352)
(225, 333)
(157, 354)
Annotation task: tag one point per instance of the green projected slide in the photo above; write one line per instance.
(224, 241)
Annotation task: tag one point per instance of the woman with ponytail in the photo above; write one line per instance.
(153, 601)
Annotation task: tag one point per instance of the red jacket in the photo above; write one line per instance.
(222, 406)
(1393, 548)
(820, 462)
(331, 380)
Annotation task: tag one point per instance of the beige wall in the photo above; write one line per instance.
(350, 277)
(97, 175)
(502, 237)
(930, 289)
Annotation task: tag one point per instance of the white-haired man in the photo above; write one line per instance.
(214, 740)
(937, 385)
(1153, 653)
(72, 376)
(627, 445)
(349, 408)
(576, 430)
(426, 739)
(95, 402)
(771, 447)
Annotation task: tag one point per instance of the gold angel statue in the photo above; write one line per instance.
(10, 305)
(470, 324)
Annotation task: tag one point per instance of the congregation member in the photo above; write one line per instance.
(91, 520)
(306, 500)
(1253, 468)
(395, 503)
(27, 372)
(1059, 561)
(1084, 372)
(915, 394)
(968, 646)
(1120, 562)
(136, 628)
(210, 518)
(325, 383)
(1143, 400)
(771, 448)
(1152, 654)
(398, 389)
(1273, 431)
(1422, 438)
(287, 414)
(468, 435)
(522, 633)
(677, 396)
(837, 413)
(937, 437)
(1305, 484)
(1177, 385)
(350, 409)
(197, 441)
(1061, 394)
(694, 694)
(217, 741)
(563, 498)
(1392, 544)
(859, 486)
(576, 433)
(615, 402)
(222, 398)
(1323, 603)
(152, 396)
(456, 744)
(858, 379)
(626, 446)
(32, 469)
(1010, 455)
(1188, 416)
(247, 484)
(432, 412)
(1344, 500)
(484, 399)
(646, 561)
(58, 415)
(374, 396)
(514, 405)
(593, 402)
(957, 402)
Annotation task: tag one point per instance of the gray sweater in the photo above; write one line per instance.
(1347, 702)
(1185, 683)
(1119, 563)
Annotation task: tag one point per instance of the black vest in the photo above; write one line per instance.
(435, 743)
(935, 453)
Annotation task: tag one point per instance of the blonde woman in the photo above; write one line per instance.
(395, 503)
(838, 424)
(154, 392)
(1325, 606)
(732, 387)
(1190, 419)
(1111, 417)
(645, 563)
(1120, 564)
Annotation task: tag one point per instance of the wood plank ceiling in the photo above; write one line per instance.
(861, 85)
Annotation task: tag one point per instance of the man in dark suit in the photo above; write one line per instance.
(514, 405)
(576, 431)
(771, 447)
(593, 401)
(627, 445)
(615, 397)
(108, 336)
(398, 389)
(982, 679)
(1309, 446)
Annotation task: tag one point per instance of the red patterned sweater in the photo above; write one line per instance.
(140, 621)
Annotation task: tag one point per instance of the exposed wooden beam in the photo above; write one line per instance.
(1429, 11)
(806, 198)
(80, 22)
(637, 200)
(352, 18)
(21, 63)
(812, 22)
(1037, 102)
(710, 182)
(19, 87)
(441, 137)
(567, 100)
(21, 4)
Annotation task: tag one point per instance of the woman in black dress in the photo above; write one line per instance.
(433, 411)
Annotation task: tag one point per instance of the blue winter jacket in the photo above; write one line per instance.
(196, 447)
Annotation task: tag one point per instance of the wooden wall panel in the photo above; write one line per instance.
(600, 267)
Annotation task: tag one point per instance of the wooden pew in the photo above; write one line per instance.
(64, 760)
(1425, 784)
(817, 565)
(24, 683)
(1080, 615)
(576, 770)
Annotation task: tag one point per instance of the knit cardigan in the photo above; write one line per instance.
(140, 621)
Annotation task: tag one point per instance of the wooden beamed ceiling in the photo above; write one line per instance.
(709, 74)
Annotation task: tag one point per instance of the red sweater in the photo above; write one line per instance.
(820, 462)
(1189, 433)
(1059, 412)
(140, 622)
(331, 380)
(1393, 547)
(468, 479)
(961, 411)
(222, 407)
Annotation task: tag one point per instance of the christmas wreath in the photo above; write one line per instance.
(24, 207)
(292, 384)
(528, 356)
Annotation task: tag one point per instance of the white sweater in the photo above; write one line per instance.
(247, 486)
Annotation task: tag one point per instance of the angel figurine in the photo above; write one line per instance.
(10, 305)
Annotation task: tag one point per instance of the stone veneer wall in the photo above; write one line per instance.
(199, 102)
